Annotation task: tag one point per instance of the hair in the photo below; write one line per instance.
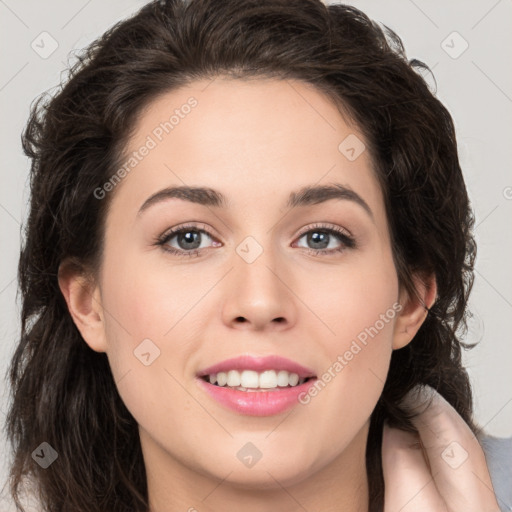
(63, 392)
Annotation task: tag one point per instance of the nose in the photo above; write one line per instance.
(259, 294)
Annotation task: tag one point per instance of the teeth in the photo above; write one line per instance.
(283, 378)
(248, 380)
(222, 379)
(233, 379)
(268, 379)
(293, 379)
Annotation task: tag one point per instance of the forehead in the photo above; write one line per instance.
(247, 137)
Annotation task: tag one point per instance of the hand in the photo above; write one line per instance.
(441, 469)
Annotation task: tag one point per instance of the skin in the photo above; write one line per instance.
(255, 142)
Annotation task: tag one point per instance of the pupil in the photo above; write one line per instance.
(315, 236)
(190, 237)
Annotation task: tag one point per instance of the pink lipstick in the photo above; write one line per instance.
(256, 386)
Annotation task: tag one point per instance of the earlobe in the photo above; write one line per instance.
(414, 310)
(83, 299)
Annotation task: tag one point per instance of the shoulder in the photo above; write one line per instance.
(498, 454)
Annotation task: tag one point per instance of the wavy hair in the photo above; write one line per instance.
(63, 392)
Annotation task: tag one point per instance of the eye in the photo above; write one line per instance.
(189, 240)
(327, 239)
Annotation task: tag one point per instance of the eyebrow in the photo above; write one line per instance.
(305, 196)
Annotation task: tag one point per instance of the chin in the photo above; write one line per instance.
(266, 477)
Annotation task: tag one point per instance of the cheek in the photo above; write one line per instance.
(146, 302)
(358, 304)
(356, 350)
(144, 312)
(360, 308)
(366, 319)
(153, 313)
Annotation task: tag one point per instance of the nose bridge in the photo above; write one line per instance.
(256, 265)
(258, 294)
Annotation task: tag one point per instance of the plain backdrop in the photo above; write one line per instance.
(468, 46)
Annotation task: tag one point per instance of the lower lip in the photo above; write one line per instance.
(256, 403)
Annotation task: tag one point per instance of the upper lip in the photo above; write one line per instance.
(258, 364)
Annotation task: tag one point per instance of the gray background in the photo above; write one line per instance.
(475, 85)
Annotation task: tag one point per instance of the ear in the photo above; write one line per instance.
(414, 310)
(83, 299)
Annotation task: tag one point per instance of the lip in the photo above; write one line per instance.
(256, 403)
(258, 364)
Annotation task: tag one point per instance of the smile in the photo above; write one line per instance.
(256, 386)
(256, 401)
(250, 380)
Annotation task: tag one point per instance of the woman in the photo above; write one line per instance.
(317, 181)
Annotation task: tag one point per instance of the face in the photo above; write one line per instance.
(291, 283)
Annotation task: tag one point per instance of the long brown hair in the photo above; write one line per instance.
(63, 393)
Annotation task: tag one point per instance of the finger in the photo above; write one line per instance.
(456, 459)
(408, 483)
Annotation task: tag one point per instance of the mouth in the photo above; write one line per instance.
(252, 381)
(256, 386)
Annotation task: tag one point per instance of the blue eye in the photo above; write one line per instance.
(320, 237)
(190, 240)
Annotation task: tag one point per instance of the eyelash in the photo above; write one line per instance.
(348, 242)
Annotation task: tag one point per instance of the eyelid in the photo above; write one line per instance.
(340, 231)
(189, 225)
(205, 228)
(325, 226)
(163, 239)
